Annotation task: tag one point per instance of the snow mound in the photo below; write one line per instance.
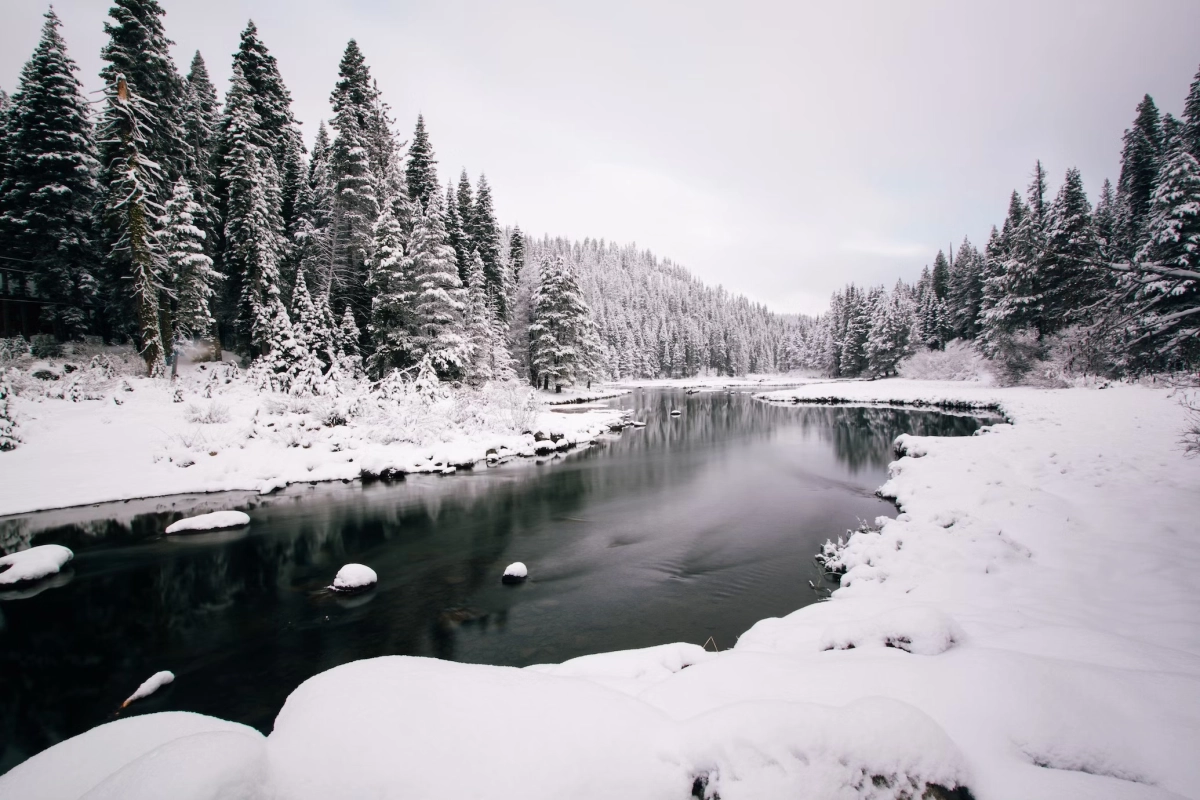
(515, 572)
(630, 670)
(354, 576)
(924, 631)
(210, 522)
(34, 563)
(70, 769)
(150, 686)
(399, 726)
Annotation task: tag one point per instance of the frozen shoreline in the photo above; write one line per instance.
(1028, 626)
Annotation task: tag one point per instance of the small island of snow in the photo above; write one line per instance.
(353, 577)
(150, 686)
(515, 573)
(34, 563)
(210, 522)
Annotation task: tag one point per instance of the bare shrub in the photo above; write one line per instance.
(1191, 434)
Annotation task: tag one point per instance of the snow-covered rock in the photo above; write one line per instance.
(71, 769)
(354, 577)
(215, 520)
(150, 686)
(515, 573)
(34, 563)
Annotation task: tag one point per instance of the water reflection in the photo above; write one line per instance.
(693, 526)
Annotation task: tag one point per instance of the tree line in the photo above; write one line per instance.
(1109, 290)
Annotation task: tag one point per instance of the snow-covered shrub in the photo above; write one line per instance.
(44, 346)
(8, 422)
(13, 349)
(212, 414)
(515, 403)
(1018, 360)
(1191, 434)
(960, 361)
(1082, 351)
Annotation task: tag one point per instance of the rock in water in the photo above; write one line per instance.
(675, 412)
(210, 522)
(34, 563)
(515, 573)
(354, 578)
(152, 685)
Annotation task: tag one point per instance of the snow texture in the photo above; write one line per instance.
(150, 686)
(354, 576)
(73, 768)
(1037, 589)
(212, 521)
(34, 563)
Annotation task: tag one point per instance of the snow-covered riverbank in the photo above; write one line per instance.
(89, 437)
(1028, 627)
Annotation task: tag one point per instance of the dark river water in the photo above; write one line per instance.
(692, 527)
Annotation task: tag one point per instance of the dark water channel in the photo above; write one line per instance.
(691, 527)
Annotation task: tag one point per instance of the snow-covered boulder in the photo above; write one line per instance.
(34, 563)
(210, 522)
(71, 769)
(515, 573)
(354, 578)
(150, 686)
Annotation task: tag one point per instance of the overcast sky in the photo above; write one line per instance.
(781, 149)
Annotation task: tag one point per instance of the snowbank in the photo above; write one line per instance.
(354, 576)
(215, 520)
(71, 769)
(150, 686)
(136, 437)
(34, 563)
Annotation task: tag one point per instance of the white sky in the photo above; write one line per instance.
(780, 149)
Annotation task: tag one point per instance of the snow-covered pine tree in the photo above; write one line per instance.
(516, 254)
(891, 322)
(48, 187)
(488, 337)
(560, 326)
(189, 266)
(393, 293)
(1191, 117)
(308, 324)
(466, 205)
(5, 106)
(1165, 284)
(312, 235)
(458, 237)
(1020, 291)
(201, 120)
(130, 212)
(138, 49)
(990, 322)
(440, 298)
(347, 335)
(8, 418)
(966, 291)
(1105, 221)
(941, 276)
(1139, 170)
(421, 170)
(1072, 282)
(485, 238)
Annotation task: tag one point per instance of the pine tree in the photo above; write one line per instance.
(393, 293)
(516, 254)
(489, 359)
(138, 49)
(561, 328)
(312, 238)
(1191, 117)
(421, 172)
(1021, 289)
(201, 118)
(966, 291)
(191, 270)
(1071, 281)
(1139, 170)
(888, 342)
(48, 185)
(466, 205)
(8, 418)
(458, 237)
(347, 335)
(130, 212)
(941, 276)
(1166, 284)
(485, 237)
(439, 299)
(1105, 221)
(308, 327)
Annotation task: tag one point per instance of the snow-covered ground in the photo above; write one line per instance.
(88, 436)
(1028, 627)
